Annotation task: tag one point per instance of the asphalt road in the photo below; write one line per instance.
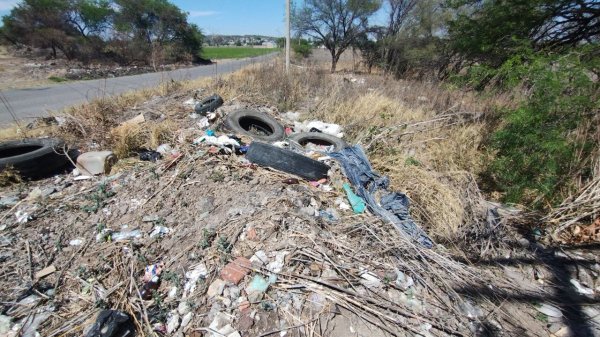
(41, 101)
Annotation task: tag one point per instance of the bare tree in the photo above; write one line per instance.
(334, 23)
(398, 12)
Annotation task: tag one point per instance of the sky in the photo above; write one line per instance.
(223, 17)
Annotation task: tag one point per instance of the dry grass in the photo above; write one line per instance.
(427, 138)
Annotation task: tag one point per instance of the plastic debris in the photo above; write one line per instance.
(223, 142)
(32, 323)
(97, 162)
(581, 289)
(392, 206)
(203, 123)
(210, 133)
(164, 149)
(318, 126)
(22, 216)
(5, 323)
(126, 235)
(112, 323)
(150, 156)
(160, 231)
(277, 265)
(357, 203)
(76, 242)
(404, 281)
(549, 310)
(192, 276)
(172, 322)
(329, 215)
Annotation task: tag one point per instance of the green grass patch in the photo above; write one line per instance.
(57, 79)
(235, 52)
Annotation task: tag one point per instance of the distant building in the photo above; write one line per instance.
(268, 44)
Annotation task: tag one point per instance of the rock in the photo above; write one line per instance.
(245, 323)
(185, 321)
(234, 293)
(183, 308)
(235, 271)
(9, 201)
(251, 234)
(172, 322)
(370, 280)
(5, 323)
(216, 288)
(259, 258)
(150, 218)
(404, 281)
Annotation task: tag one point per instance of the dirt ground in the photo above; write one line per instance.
(24, 70)
(327, 271)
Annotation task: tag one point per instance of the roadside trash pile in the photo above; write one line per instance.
(244, 225)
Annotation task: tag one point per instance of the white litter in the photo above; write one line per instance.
(22, 216)
(581, 289)
(160, 231)
(192, 276)
(76, 242)
(328, 128)
(220, 141)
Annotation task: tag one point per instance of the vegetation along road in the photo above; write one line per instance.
(40, 101)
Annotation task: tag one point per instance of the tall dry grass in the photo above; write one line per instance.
(426, 137)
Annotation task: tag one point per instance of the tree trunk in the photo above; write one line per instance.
(333, 64)
(53, 51)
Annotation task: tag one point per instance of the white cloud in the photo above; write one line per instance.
(6, 5)
(197, 14)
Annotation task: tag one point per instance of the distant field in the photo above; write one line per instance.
(234, 52)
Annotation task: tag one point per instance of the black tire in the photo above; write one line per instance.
(255, 124)
(286, 161)
(209, 104)
(33, 158)
(319, 138)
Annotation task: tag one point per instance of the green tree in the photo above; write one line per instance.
(301, 47)
(334, 23)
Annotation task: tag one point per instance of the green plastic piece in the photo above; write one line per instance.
(357, 203)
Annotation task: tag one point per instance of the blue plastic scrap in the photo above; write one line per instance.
(357, 203)
(392, 206)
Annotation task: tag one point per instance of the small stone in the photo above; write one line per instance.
(183, 308)
(235, 271)
(187, 319)
(226, 302)
(150, 218)
(216, 288)
(251, 234)
(4, 324)
(244, 305)
(245, 323)
(259, 258)
(172, 322)
(234, 292)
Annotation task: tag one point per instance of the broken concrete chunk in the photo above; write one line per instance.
(216, 288)
(97, 162)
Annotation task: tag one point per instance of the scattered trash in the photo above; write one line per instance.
(259, 258)
(256, 288)
(318, 141)
(286, 161)
(208, 104)
(581, 289)
(151, 281)
(172, 322)
(95, 163)
(22, 216)
(126, 235)
(394, 206)
(160, 231)
(164, 149)
(76, 242)
(223, 142)
(35, 157)
(327, 128)
(192, 276)
(403, 281)
(277, 265)
(357, 203)
(112, 323)
(329, 215)
(549, 310)
(255, 124)
(31, 323)
(45, 272)
(203, 123)
(210, 133)
(150, 156)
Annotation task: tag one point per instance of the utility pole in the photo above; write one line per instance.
(287, 36)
